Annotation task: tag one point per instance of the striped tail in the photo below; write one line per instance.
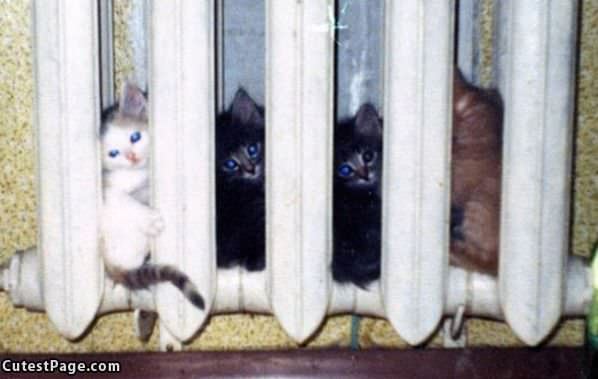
(149, 274)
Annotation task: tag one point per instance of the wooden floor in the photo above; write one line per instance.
(446, 363)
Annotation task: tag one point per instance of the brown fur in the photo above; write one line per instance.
(475, 176)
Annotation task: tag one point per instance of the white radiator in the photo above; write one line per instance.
(538, 282)
(416, 191)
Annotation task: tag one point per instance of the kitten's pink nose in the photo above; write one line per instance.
(131, 157)
(250, 169)
(363, 173)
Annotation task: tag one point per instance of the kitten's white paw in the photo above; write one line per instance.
(155, 224)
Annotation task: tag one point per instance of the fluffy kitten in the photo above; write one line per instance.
(475, 177)
(475, 192)
(127, 221)
(240, 153)
(357, 204)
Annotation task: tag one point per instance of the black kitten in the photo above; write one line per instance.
(240, 207)
(357, 204)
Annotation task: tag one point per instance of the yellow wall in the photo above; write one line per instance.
(23, 331)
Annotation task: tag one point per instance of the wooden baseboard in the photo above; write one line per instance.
(425, 363)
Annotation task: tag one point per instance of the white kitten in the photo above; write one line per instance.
(128, 222)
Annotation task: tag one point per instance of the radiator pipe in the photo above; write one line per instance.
(20, 278)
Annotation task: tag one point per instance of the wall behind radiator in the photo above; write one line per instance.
(23, 331)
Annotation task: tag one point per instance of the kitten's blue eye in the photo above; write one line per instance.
(367, 156)
(345, 170)
(252, 150)
(113, 153)
(231, 164)
(136, 136)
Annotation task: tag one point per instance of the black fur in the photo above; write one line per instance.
(240, 202)
(457, 215)
(357, 203)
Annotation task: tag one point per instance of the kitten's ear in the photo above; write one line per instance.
(460, 88)
(367, 121)
(245, 110)
(132, 101)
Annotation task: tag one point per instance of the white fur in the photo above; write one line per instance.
(127, 226)
(127, 222)
(117, 137)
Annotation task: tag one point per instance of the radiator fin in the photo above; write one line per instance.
(417, 125)
(536, 60)
(299, 90)
(67, 125)
(182, 120)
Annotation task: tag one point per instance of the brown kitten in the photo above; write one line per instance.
(475, 177)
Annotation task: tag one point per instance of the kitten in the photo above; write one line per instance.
(127, 221)
(357, 203)
(240, 154)
(475, 192)
(475, 177)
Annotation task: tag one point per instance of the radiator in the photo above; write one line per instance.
(538, 282)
